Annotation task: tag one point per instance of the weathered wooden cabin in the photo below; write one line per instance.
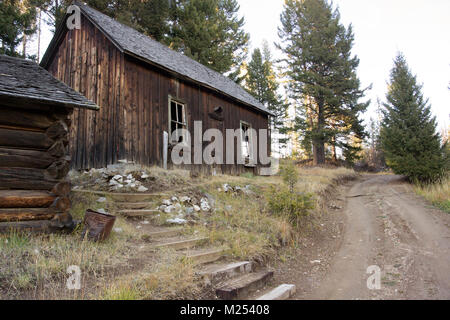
(35, 110)
(144, 89)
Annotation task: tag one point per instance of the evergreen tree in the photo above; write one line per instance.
(210, 32)
(16, 21)
(262, 83)
(322, 74)
(408, 132)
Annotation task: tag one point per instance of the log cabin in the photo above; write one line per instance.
(35, 111)
(145, 91)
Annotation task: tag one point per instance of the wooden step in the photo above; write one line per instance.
(204, 256)
(135, 205)
(161, 233)
(241, 287)
(178, 244)
(221, 272)
(282, 292)
(25, 199)
(138, 213)
(126, 197)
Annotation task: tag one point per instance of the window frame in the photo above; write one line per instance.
(183, 124)
(249, 159)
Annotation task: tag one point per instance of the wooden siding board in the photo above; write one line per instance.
(133, 100)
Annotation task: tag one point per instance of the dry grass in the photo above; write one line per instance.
(243, 222)
(168, 277)
(438, 194)
(35, 266)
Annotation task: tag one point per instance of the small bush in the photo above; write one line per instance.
(294, 206)
(289, 174)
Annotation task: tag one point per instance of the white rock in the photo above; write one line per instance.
(174, 199)
(204, 204)
(189, 210)
(118, 230)
(101, 199)
(167, 202)
(145, 222)
(138, 227)
(169, 209)
(142, 189)
(123, 161)
(144, 175)
(130, 177)
(176, 221)
(118, 177)
(101, 210)
(185, 199)
(196, 208)
(315, 261)
(177, 206)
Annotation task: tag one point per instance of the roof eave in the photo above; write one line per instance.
(47, 101)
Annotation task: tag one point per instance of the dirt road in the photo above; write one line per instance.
(388, 226)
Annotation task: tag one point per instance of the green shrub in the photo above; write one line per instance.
(294, 206)
(289, 174)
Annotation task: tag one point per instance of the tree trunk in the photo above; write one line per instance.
(318, 140)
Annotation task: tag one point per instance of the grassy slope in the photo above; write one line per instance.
(438, 194)
(35, 266)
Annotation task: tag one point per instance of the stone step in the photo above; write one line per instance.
(221, 272)
(138, 213)
(178, 244)
(162, 233)
(135, 205)
(204, 256)
(241, 287)
(282, 292)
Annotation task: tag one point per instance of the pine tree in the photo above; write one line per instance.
(408, 132)
(16, 21)
(210, 32)
(322, 71)
(262, 83)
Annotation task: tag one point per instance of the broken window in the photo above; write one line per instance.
(246, 141)
(177, 120)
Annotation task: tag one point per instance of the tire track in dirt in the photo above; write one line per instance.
(388, 226)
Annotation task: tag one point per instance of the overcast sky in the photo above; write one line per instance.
(418, 28)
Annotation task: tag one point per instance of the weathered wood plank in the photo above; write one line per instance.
(25, 199)
(25, 178)
(24, 139)
(20, 158)
(14, 117)
(26, 214)
(38, 226)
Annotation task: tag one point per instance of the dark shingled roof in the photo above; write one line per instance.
(24, 79)
(131, 42)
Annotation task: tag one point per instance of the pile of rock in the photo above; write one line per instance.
(184, 209)
(124, 177)
(235, 189)
(128, 182)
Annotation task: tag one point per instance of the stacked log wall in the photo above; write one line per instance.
(34, 162)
